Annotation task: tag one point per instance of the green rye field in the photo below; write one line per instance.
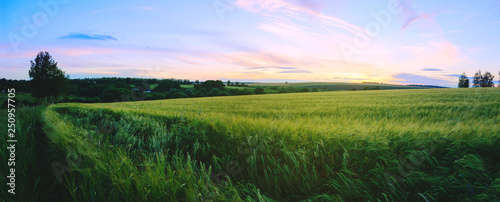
(391, 145)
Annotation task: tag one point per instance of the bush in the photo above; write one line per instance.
(167, 85)
(259, 90)
(188, 92)
(233, 91)
(214, 91)
(223, 93)
(94, 100)
(180, 95)
(155, 96)
(198, 94)
(172, 92)
(245, 92)
(116, 95)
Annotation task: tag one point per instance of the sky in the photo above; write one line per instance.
(389, 41)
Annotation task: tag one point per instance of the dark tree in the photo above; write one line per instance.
(259, 90)
(214, 91)
(47, 80)
(208, 85)
(188, 92)
(463, 81)
(172, 92)
(305, 90)
(198, 94)
(121, 84)
(478, 77)
(228, 83)
(223, 93)
(112, 94)
(487, 80)
(166, 85)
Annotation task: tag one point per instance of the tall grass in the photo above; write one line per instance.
(405, 145)
(32, 160)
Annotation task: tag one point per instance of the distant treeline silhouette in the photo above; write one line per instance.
(479, 80)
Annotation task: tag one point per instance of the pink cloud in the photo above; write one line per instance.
(413, 19)
(433, 54)
(313, 5)
(294, 10)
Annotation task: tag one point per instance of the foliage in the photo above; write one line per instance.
(210, 84)
(483, 80)
(463, 81)
(112, 94)
(167, 85)
(223, 93)
(19, 85)
(214, 91)
(259, 90)
(188, 92)
(305, 90)
(47, 80)
(487, 80)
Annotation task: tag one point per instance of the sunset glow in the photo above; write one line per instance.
(407, 42)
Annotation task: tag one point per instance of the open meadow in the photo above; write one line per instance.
(392, 145)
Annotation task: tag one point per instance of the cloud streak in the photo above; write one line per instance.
(272, 67)
(432, 70)
(409, 78)
(81, 36)
(296, 72)
(295, 10)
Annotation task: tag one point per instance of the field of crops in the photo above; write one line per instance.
(393, 145)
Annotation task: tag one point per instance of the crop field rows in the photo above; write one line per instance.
(413, 145)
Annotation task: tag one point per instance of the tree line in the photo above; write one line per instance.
(48, 84)
(479, 80)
